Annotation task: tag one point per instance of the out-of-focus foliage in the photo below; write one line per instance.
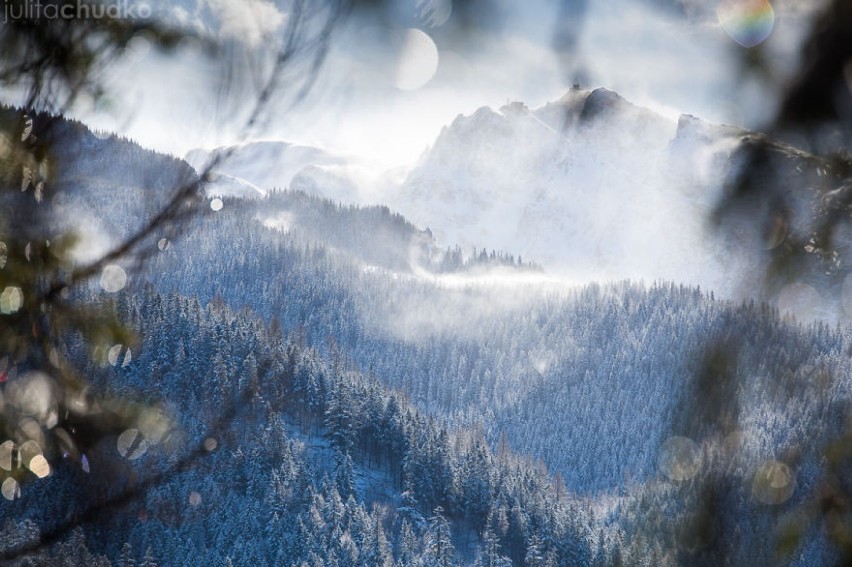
(276, 486)
(52, 55)
(50, 410)
(807, 224)
(54, 60)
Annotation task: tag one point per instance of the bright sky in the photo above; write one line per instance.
(390, 84)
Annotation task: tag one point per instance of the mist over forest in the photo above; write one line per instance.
(426, 283)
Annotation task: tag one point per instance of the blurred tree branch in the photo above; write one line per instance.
(51, 63)
(815, 108)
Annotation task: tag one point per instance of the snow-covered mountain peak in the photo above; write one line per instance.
(477, 128)
(603, 101)
(266, 164)
(589, 184)
(565, 111)
(695, 130)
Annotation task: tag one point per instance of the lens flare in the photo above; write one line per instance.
(113, 354)
(39, 466)
(679, 458)
(113, 278)
(29, 451)
(418, 61)
(7, 455)
(131, 444)
(10, 489)
(115, 358)
(11, 300)
(748, 22)
(33, 396)
(153, 425)
(774, 483)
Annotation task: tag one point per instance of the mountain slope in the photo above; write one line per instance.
(264, 164)
(595, 188)
(637, 396)
(598, 188)
(301, 461)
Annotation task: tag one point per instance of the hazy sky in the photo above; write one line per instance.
(393, 79)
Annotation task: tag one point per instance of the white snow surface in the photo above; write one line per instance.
(590, 186)
(268, 164)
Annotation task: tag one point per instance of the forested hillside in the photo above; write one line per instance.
(595, 381)
(573, 355)
(300, 460)
(331, 385)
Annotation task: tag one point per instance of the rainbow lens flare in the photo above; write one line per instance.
(748, 22)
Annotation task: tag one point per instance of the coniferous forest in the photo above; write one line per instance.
(576, 329)
(326, 385)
